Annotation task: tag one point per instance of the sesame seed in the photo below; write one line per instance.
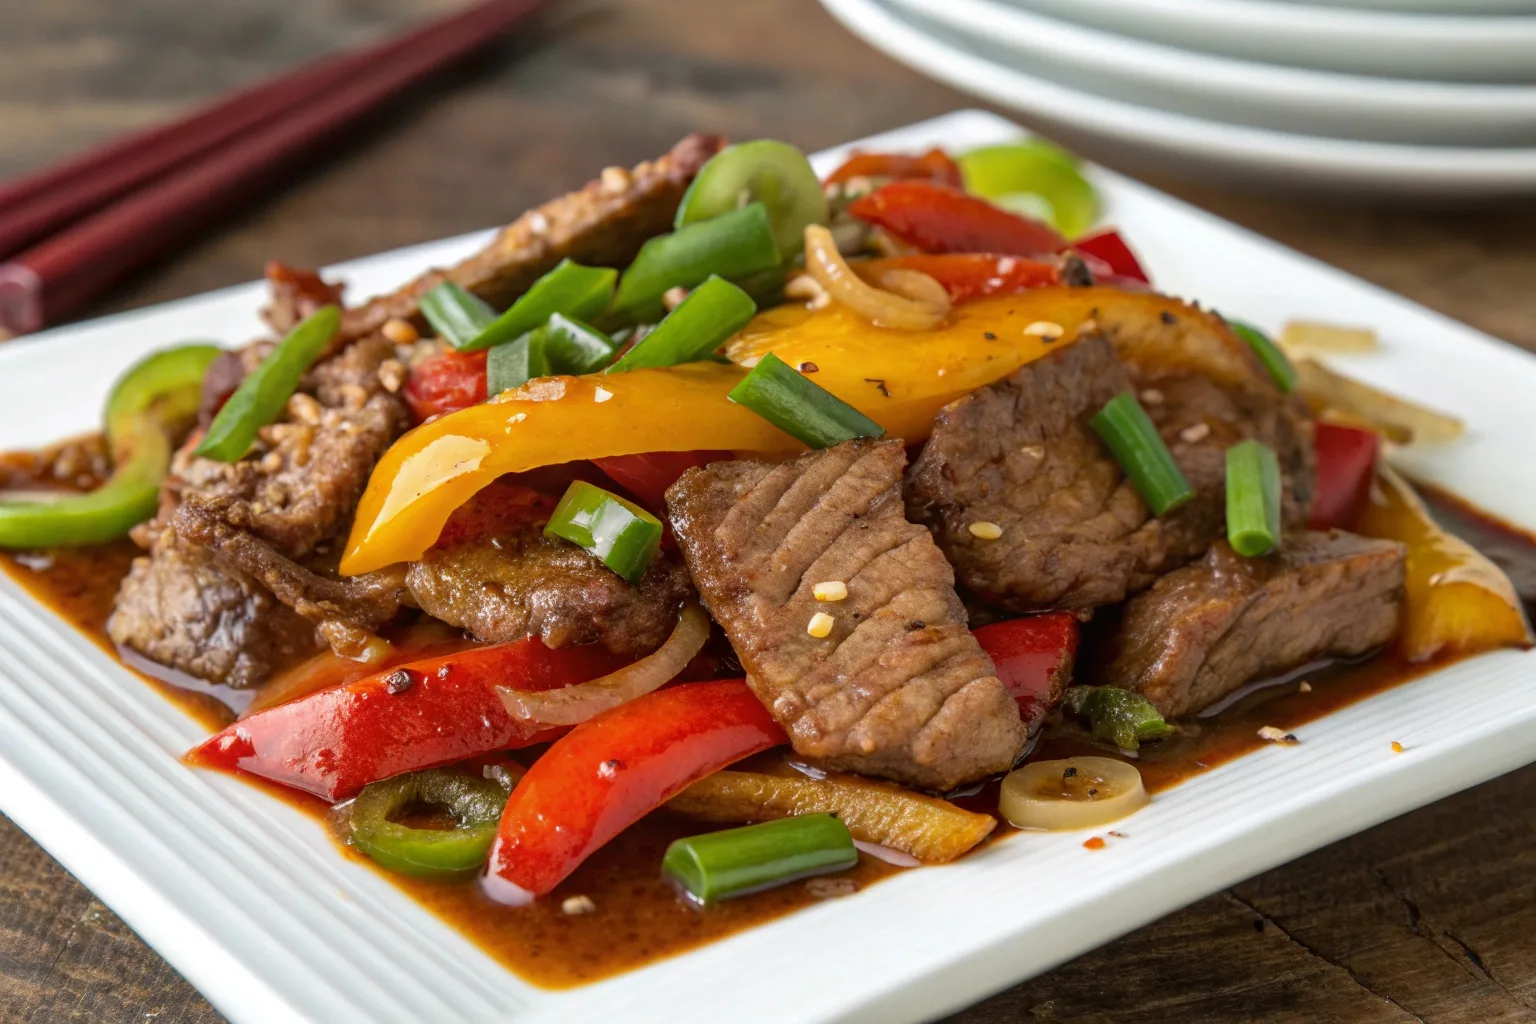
(820, 625)
(985, 531)
(601, 394)
(1305, 687)
(1197, 432)
(574, 905)
(831, 888)
(614, 180)
(831, 590)
(401, 332)
(673, 297)
(1045, 329)
(1270, 734)
(1152, 396)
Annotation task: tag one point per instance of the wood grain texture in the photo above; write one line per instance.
(1431, 917)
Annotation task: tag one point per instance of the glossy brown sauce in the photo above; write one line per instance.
(637, 918)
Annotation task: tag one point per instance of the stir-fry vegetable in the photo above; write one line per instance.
(576, 347)
(264, 392)
(458, 316)
(1458, 602)
(967, 276)
(885, 306)
(570, 290)
(738, 861)
(647, 476)
(1270, 354)
(1117, 716)
(422, 715)
(622, 535)
(1128, 432)
(934, 165)
(938, 218)
(1034, 658)
(155, 398)
(1048, 175)
(795, 404)
(474, 803)
(517, 362)
(610, 771)
(1109, 248)
(1346, 464)
(1331, 338)
(773, 173)
(700, 324)
(732, 245)
(1078, 792)
(932, 830)
(1253, 499)
(446, 383)
(1399, 419)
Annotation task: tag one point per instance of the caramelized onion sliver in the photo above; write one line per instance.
(915, 285)
(885, 309)
(572, 705)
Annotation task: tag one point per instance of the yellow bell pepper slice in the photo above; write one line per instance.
(1458, 602)
(897, 378)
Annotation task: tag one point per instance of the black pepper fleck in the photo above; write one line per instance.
(808, 367)
(1069, 773)
(1168, 318)
(916, 624)
(880, 385)
(1093, 792)
(989, 335)
(400, 680)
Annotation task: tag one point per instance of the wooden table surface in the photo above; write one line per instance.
(1431, 917)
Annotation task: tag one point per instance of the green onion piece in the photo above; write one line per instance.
(475, 804)
(733, 244)
(1274, 359)
(575, 347)
(737, 861)
(264, 392)
(1253, 499)
(623, 536)
(711, 313)
(1146, 460)
(516, 363)
(458, 317)
(800, 407)
(571, 289)
(774, 173)
(1122, 717)
(1034, 178)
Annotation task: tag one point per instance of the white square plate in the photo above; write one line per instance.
(248, 898)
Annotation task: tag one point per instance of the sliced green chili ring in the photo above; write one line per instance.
(1146, 460)
(1253, 499)
(799, 406)
(1281, 370)
(701, 323)
(773, 173)
(737, 861)
(516, 363)
(571, 289)
(622, 535)
(264, 392)
(1122, 717)
(575, 347)
(476, 805)
(1047, 175)
(732, 245)
(457, 316)
(168, 383)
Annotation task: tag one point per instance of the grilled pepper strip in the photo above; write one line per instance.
(608, 772)
(474, 803)
(429, 713)
(1033, 656)
(938, 218)
(1458, 602)
(158, 395)
(1346, 465)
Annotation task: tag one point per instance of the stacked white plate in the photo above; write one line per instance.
(1405, 98)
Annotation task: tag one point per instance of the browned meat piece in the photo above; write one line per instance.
(899, 687)
(179, 607)
(1020, 454)
(1208, 628)
(295, 294)
(495, 574)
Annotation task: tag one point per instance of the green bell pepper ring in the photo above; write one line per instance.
(476, 804)
(156, 396)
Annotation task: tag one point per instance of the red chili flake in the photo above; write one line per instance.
(809, 367)
(1096, 843)
(400, 680)
(1397, 748)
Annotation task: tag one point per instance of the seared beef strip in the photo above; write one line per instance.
(899, 687)
(1206, 629)
(494, 573)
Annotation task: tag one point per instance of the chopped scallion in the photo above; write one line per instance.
(570, 289)
(737, 861)
(731, 245)
(576, 347)
(516, 363)
(456, 315)
(799, 406)
(623, 536)
(1274, 359)
(1253, 499)
(710, 314)
(1146, 460)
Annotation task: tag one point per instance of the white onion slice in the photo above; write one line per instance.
(885, 309)
(574, 704)
(887, 854)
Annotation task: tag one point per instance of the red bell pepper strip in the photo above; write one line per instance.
(941, 218)
(1346, 464)
(967, 276)
(1109, 247)
(444, 384)
(934, 165)
(608, 772)
(648, 476)
(429, 713)
(1034, 658)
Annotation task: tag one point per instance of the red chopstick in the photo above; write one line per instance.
(284, 122)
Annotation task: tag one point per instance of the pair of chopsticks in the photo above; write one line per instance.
(69, 231)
